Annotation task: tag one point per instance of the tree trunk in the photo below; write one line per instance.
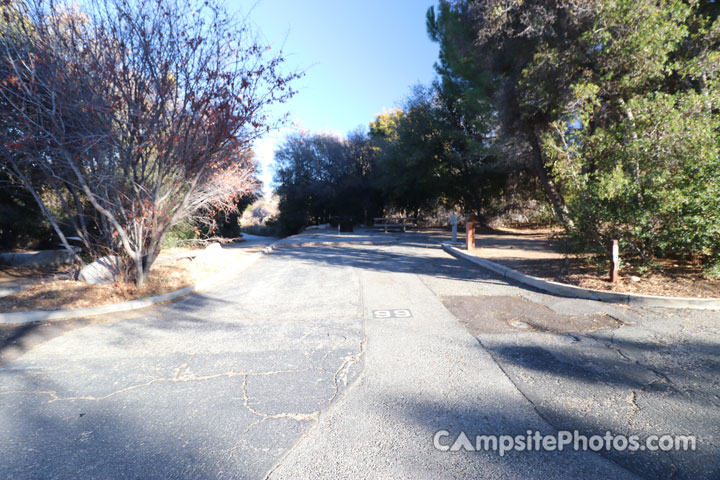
(149, 258)
(139, 269)
(633, 133)
(553, 195)
(49, 216)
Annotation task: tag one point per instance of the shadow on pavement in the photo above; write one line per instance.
(385, 260)
(596, 388)
(499, 418)
(16, 340)
(127, 441)
(685, 465)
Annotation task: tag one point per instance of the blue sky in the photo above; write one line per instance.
(360, 57)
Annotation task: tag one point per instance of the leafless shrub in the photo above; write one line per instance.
(136, 113)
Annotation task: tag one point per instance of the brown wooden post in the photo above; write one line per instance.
(470, 234)
(615, 262)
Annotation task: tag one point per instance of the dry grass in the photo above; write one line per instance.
(668, 278)
(54, 293)
(534, 251)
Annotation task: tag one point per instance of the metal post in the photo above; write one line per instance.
(453, 222)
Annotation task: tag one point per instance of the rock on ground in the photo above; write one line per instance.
(102, 270)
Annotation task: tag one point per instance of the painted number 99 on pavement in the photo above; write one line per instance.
(396, 313)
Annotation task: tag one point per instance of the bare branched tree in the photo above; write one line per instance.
(132, 115)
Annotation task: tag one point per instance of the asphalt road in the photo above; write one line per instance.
(344, 362)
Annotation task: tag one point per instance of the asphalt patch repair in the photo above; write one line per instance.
(488, 315)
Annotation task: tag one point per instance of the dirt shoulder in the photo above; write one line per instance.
(56, 290)
(537, 252)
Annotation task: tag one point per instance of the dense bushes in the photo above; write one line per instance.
(321, 176)
(22, 225)
(614, 102)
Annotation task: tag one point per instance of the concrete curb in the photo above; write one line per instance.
(570, 291)
(16, 318)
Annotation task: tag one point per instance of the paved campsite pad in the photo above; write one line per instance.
(591, 373)
(218, 385)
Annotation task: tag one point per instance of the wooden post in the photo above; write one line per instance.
(470, 234)
(615, 262)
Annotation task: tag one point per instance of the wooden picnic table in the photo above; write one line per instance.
(393, 222)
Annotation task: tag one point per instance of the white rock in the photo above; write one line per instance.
(635, 279)
(102, 270)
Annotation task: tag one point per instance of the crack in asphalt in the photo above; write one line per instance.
(635, 394)
(299, 417)
(177, 379)
(339, 357)
(632, 400)
(237, 445)
(294, 416)
(347, 362)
